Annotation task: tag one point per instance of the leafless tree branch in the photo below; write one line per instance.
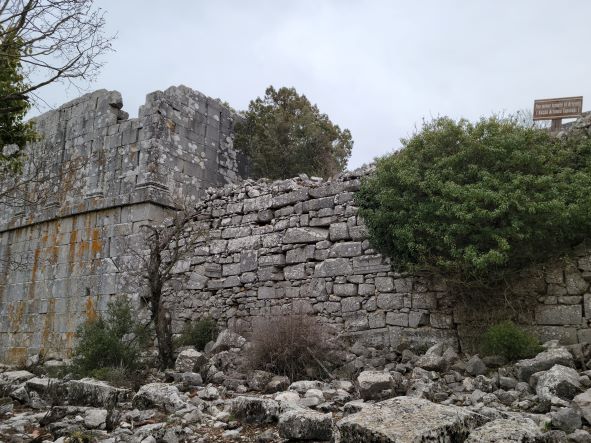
(59, 41)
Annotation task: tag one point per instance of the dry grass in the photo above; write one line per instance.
(292, 345)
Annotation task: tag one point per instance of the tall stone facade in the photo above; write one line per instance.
(69, 223)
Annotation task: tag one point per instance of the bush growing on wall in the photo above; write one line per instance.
(476, 202)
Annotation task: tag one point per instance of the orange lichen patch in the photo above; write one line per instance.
(170, 124)
(96, 245)
(69, 342)
(91, 314)
(17, 356)
(48, 323)
(72, 250)
(15, 315)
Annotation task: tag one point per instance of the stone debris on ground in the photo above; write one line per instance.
(401, 399)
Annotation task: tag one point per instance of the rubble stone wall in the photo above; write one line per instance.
(68, 226)
(298, 246)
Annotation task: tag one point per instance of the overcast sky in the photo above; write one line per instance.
(375, 67)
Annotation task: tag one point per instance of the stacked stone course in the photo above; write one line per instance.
(298, 246)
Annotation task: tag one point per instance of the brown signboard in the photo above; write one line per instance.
(552, 108)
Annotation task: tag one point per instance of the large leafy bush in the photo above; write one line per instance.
(284, 135)
(111, 344)
(477, 202)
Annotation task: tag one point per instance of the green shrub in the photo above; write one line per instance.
(476, 203)
(110, 343)
(510, 341)
(198, 333)
(284, 135)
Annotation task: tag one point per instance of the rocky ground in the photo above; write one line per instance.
(393, 397)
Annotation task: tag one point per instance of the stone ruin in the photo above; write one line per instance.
(92, 180)
(272, 248)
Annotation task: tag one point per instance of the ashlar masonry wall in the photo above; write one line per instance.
(69, 224)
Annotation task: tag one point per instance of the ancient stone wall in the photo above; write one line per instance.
(298, 246)
(69, 223)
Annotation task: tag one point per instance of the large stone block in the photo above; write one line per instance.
(559, 315)
(333, 267)
(346, 249)
(408, 420)
(305, 235)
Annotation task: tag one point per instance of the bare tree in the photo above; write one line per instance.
(57, 40)
(167, 245)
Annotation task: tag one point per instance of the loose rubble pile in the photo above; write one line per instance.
(210, 397)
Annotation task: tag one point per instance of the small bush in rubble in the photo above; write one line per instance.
(111, 344)
(510, 341)
(293, 345)
(198, 333)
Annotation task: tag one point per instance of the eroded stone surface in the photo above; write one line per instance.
(408, 420)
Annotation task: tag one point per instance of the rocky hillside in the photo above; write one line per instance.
(399, 397)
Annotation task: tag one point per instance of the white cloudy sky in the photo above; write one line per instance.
(377, 67)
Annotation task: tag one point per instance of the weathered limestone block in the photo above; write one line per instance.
(345, 249)
(369, 264)
(254, 409)
(560, 381)
(408, 420)
(339, 231)
(543, 361)
(384, 284)
(189, 360)
(333, 267)
(559, 315)
(375, 385)
(88, 391)
(305, 235)
(159, 395)
(508, 430)
(305, 424)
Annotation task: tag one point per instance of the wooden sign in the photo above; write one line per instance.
(556, 108)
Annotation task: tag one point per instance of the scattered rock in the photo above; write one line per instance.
(276, 384)
(507, 430)
(227, 340)
(543, 361)
(582, 404)
(475, 366)
(91, 392)
(189, 360)
(254, 409)
(559, 381)
(305, 425)
(566, 419)
(95, 418)
(158, 395)
(375, 385)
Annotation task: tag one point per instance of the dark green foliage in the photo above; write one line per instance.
(510, 341)
(284, 135)
(13, 129)
(110, 343)
(478, 202)
(198, 333)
